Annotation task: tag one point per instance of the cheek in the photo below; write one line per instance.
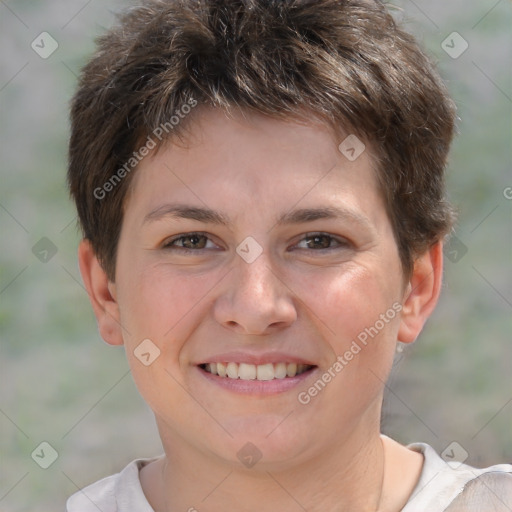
(163, 304)
(354, 304)
(359, 317)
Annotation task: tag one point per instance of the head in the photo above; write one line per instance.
(251, 110)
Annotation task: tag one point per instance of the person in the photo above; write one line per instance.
(260, 186)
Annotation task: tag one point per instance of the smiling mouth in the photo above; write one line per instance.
(245, 371)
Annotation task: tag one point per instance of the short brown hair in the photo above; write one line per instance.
(345, 61)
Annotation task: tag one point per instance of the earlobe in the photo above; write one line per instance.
(422, 293)
(101, 294)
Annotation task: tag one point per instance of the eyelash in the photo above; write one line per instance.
(342, 243)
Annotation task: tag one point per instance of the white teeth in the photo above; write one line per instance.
(232, 370)
(265, 371)
(247, 371)
(291, 369)
(280, 370)
(221, 369)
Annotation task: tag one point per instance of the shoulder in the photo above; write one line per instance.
(489, 491)
(453, 486)
(100, 495)
(121, 492)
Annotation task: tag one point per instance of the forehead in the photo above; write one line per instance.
(245, 158)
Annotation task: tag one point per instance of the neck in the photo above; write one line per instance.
(348, 476)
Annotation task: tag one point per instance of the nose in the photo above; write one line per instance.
(255, 300)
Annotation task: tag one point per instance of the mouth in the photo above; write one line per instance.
(259, 372)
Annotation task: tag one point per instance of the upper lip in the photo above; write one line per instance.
(256, 359)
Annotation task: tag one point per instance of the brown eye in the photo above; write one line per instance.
(187, 242)
(319, 242)
(322, 241)
(194, 241)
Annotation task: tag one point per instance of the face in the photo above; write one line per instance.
(260, 263)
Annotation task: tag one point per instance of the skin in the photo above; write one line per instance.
(299, 296)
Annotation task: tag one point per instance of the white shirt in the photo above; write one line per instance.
(438, 486)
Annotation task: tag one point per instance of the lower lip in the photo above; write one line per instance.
(258, 387)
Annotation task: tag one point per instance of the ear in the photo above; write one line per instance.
(101, 294)
(422, 293)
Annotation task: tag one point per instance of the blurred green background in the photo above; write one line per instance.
(61, 384)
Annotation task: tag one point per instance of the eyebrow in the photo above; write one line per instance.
(298, 216)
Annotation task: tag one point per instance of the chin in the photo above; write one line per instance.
(265, 442)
